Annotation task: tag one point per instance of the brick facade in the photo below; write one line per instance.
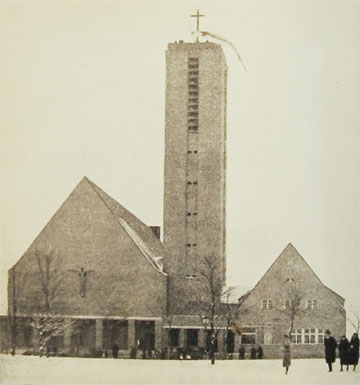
(267, 311)
(97, 261)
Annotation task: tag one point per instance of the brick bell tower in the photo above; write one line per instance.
(195, 164)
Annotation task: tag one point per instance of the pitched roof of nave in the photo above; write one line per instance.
(139, 233)
(290, 260)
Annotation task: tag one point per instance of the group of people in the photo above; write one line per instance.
(348, 350)
(254, 352)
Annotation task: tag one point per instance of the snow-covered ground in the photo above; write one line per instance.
(80, 371)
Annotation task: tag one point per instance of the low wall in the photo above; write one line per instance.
(297, 351)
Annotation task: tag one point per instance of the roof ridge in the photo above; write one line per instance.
(92, 184)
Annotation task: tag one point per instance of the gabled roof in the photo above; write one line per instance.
(140, 234)
(290, 247)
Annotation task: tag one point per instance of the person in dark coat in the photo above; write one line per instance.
(354, 350)
(230, 343)
(241, 352)
(253, 353)
(286, 353)
(115, 350)
(330, 349)
(260, 352)
(343, 347)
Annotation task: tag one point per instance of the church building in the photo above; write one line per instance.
(106, 281)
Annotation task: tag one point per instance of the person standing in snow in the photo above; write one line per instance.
(354, 350)
(343, 347)
(253, 353)
(286, 354)
(241, 352)
(330, 349)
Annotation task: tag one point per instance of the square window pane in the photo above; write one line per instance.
(248, 339)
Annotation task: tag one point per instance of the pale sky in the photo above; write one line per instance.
(83, 93)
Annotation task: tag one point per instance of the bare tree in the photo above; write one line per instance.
(209, 301)
(50, 279)
(292, 307)
(231, 311)
(354, 319)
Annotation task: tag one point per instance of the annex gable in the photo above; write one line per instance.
(290, 273)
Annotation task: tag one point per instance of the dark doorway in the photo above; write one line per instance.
(145, 336)
(115, 333)
(83, 336)
(192, 337)
(174, 337)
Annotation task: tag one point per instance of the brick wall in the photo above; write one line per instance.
(84, 233)
(290, 273)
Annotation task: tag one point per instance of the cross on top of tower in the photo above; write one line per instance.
(197, 19)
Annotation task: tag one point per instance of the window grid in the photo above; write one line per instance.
(312, 304)
(267, 304)
(307, 336)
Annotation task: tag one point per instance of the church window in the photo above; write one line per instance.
(194, 244)
(193, 128)
(189, 183)
(188, 244)
(287, 304)
(195, 152)
(267, 304)
(193, 72)
(188, 214)
(307, 336)
(195, 182)
(312, 304)
(248, 336)
(193, 61)
(320, 336)
(296, 336)
(193, 113)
